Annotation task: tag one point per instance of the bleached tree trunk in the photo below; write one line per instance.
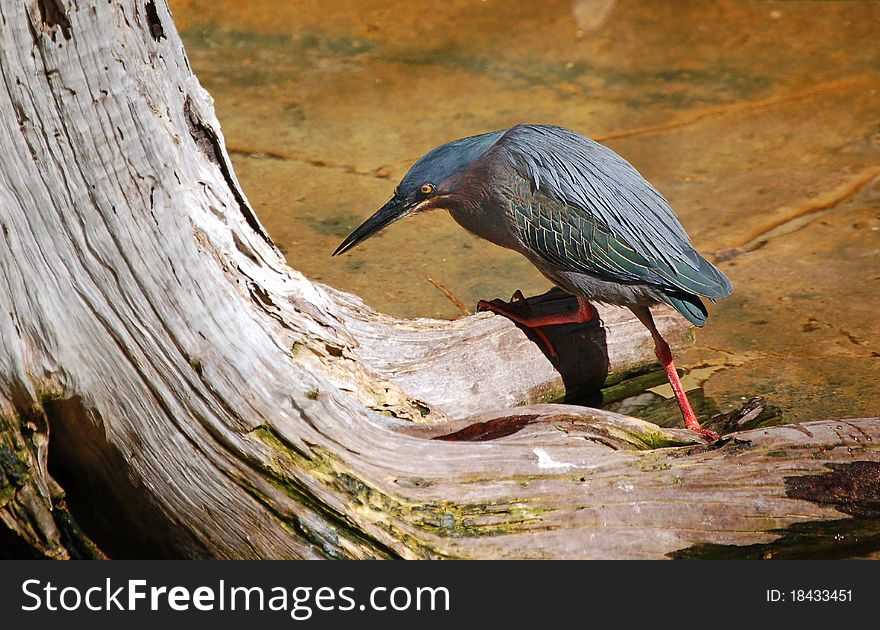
(170, 387)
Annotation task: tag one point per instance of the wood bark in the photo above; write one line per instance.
(170, 387)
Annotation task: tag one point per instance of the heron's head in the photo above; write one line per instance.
(426, 186)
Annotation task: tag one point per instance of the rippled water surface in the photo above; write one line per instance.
(760, 121)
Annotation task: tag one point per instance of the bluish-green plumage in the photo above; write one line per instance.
(578, 210)
(635, 236)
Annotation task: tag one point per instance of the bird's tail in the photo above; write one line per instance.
(690, 306)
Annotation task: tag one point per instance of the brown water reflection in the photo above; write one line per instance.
(760, 121)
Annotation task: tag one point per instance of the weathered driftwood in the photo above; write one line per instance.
(169, 379)
(484, 362)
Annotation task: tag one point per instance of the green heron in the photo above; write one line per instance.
(579, 212)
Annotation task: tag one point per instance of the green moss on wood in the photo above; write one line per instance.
(650, 439)
(400, 518)
(613, 378)
(15, 468)
(453, 520)
(292, 456)
(14, 472)
(632, 386)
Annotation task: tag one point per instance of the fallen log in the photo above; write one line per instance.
(169, 387)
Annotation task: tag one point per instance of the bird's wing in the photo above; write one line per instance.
(574, 241)
(613, 223)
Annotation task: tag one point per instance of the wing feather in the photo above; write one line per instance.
(615, 223)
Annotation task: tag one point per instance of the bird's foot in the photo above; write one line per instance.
(694, 425)
(519, 311)
(518, 306)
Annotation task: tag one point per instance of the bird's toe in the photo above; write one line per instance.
(706, 433)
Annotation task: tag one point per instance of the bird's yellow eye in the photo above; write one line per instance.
(426, 189)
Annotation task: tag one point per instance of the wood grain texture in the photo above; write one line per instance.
(169, 387)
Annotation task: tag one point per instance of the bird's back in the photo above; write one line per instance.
(589, 211)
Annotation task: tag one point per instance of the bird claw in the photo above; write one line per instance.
(706, 433)
(518, 305)
(518, 311)
(486, 306)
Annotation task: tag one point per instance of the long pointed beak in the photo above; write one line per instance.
(386, 215)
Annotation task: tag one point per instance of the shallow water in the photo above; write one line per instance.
(760, 121)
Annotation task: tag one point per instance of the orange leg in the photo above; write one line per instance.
(664, 355)
(583, 314)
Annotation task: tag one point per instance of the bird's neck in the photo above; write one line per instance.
(481, 213)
